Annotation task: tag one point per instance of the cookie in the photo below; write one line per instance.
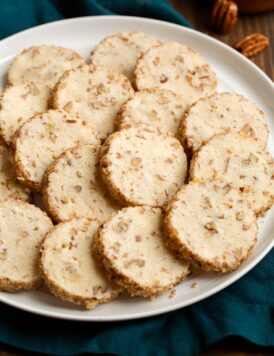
(10, 188)
(176, 67)
(132, 248)
(157, 107)
(93, 93)
(23, 227)
(72, 186)
(241, 161)
(68, 267)
(42, 139)
(142, 165)
(45, 63)
(224, 233)
(122, 50)
(18, 103)
(221, 113)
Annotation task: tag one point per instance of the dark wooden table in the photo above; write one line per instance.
(197, 12)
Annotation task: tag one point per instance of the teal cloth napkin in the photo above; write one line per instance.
(245, 309)
(18, 15)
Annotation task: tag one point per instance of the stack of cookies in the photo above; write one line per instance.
(143, 168)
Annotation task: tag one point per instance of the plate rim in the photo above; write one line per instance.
(204, 295)
(142, 19)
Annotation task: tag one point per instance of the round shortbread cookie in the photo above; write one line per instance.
(122, 50)
(218, 114)
(45, 64)
(176, 67)
(224, 233)
(142, 165)
(72, 186)
(42, 139)
(10, 188)
(157, 107)
(20, 102)
(132, 248)
(93, 93)
(240, 161)
(69, 268)
(23, 228)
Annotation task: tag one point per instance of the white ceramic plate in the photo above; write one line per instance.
(235, 73)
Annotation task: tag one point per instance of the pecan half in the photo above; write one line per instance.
(252, 44)
(224, 16)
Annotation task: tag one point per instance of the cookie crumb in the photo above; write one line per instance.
(172, 294)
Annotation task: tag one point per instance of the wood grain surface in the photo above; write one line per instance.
(197, 12)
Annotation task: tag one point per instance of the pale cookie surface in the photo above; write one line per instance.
(132, 249)
(157, 107)
(224, 233)
(45, 64)
(10, 187)
(69, 268)
(20, 102)
(219, 113)
(176, 67)
(23, 227)
(240, 161)
(72, 186)
(142, 165)
(42, 139)
(93, 93)
(122, 50)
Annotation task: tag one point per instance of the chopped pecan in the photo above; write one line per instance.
(160, 177)
(226, 188)
(121, 226)
(226, 164)
(79, 174)
(172, 294)
(211, 226)
(69, 106)
(207, 203)
(99, 289)
(253, 44)
(138, 238)
(163, 78)
(101, 88)
(78, 188)
(248, 130)
(239, 216)
(224, 16)
(64, 200)
(33, 90)
(136, 161)
(156, 61)
(136, 261)
(3, 254)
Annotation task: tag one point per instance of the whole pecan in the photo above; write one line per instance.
(224, 16)
(252, 44)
